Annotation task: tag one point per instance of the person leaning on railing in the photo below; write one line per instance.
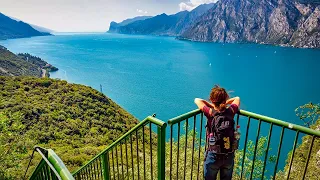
(220, 133)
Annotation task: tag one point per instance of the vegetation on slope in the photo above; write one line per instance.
(22, 64)
(310, 114)
(38, 62)
(12, 65)
(76, 121)
(187, 158)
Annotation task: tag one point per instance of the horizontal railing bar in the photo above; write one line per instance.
(184, 116)
(254, 116)
(281, 123)
(139, 125)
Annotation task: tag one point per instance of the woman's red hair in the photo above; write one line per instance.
(219, 97)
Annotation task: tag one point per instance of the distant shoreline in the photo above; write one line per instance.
(3, 39)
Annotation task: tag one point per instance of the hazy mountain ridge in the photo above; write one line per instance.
(114, 26)
(41, 29)
(164, 24)
(283, 22)
(10, 28)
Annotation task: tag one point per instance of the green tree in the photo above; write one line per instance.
(308, 113)
(248, 160)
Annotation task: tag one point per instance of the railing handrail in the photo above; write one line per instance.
(184, 116)
(54, 162)
(281, 123)
(278, 122)
(59, 165)
(148, 119)
(62, 172)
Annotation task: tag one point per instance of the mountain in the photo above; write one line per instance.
(76, 121)
(38, 28)
(114, 26)
(23, 65)
(10, 28)
(158, 25)
(164, 24)
(41, 29)
(284, 22)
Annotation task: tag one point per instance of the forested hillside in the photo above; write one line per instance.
(23, 64)
(76, 121)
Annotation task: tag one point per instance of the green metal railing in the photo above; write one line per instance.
(193, 135)
(143, 154)
(50, 166)
(128, 157)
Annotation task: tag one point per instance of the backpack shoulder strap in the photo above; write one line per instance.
(214, 122)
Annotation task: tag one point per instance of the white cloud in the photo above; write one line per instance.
(185, 6)
(191, 4)
(141, 11)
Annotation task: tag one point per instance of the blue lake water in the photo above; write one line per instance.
(162, 75)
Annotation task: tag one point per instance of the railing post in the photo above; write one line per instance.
(105, 165)
(161, 151)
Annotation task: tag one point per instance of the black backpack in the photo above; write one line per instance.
(222, 127)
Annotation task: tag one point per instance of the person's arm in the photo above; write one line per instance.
(234, 104)
(235, 100)
(201, 103)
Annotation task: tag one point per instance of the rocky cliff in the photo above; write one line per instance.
(114, 26)
(284, 22)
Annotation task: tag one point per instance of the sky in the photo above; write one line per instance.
(89, 15)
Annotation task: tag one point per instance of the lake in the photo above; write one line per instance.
(162, 75)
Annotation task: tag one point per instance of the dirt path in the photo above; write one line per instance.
(3, 70)
(43, 74)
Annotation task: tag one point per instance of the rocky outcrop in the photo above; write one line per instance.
(308, 32)
(115, 26)
(283, 22)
